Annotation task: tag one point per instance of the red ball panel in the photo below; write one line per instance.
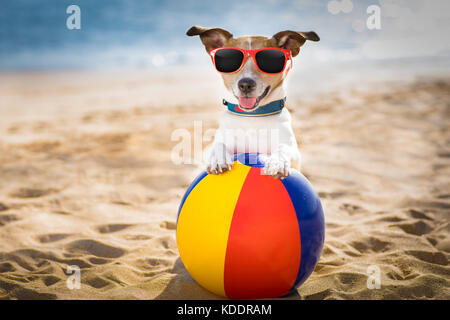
(263, 251)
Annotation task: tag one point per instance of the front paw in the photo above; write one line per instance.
(276, 167)
(219, 161)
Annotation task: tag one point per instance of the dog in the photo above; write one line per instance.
(256, 103)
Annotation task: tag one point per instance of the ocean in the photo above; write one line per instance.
(146, 34)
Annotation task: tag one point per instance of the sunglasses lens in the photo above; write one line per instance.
(228, 60)
(270, 61)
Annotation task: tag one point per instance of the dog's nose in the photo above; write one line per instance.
(246, 85)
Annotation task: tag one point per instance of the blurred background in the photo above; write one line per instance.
(87, 123)
(150, 34)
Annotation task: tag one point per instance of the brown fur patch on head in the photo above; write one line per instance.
(252, 42)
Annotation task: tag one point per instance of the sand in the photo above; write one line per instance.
(87, 180)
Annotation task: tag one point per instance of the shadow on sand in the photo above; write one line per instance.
(182, 286)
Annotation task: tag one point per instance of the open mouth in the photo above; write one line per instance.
(251, 103)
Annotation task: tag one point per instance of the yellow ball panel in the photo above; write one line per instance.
(204, 224)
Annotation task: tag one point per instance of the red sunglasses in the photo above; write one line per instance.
(267, 60)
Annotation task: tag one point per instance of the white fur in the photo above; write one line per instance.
(269, 135)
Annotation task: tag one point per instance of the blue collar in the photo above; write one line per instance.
(271, 108)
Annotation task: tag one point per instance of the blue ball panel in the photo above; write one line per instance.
(311, 223)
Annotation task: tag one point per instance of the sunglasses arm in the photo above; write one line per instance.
(288, 68)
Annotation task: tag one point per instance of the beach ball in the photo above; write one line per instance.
(246, 235)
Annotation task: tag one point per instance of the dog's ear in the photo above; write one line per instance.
(211, 37)
(293, 40)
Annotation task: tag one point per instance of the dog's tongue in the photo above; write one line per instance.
(247, 103)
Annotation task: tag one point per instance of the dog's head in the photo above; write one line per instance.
(251, 87)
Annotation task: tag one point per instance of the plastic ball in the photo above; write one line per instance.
(246, 235)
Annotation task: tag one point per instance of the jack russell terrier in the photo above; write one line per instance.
(253, 70)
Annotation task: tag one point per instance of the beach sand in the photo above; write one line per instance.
(87, 180)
